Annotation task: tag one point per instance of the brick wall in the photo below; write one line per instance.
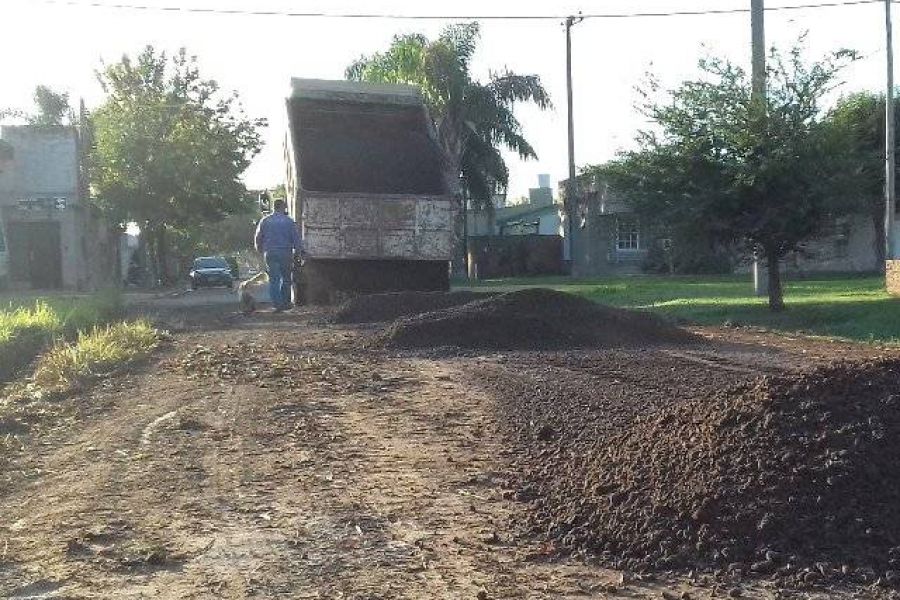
(892, 270)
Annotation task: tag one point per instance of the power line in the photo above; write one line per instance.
(488, 17)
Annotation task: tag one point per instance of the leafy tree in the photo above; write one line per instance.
(13, 113)
(52, 109)
(859, 120)
(473, 119)
(230, 236)
(169, 147)
(678, 247)
(278, 192)
(764, 180)
(234, 233)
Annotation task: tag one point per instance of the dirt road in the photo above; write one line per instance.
(272, 457)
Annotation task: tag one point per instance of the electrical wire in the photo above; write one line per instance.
(485, 17)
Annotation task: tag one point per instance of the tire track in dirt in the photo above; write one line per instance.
(205, 488)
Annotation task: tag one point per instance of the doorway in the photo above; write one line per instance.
(35, 253)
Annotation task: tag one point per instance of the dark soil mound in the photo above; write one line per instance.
(797, 477)
(374, 308)
(531, 319)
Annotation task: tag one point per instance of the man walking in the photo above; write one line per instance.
(277, 237)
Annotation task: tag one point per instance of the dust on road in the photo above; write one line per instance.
(273, 457)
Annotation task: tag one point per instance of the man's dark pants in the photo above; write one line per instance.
(279, 265)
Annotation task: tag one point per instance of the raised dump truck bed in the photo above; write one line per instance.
(364, 179)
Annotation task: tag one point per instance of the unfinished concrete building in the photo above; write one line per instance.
(54, 237)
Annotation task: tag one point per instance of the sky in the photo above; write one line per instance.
(63, 45)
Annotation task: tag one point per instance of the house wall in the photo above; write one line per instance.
(45, 168)
(594, 250)
(6, 176)
(549, 224)
(479, 223)
(848, 246)
(44, 165)
(541, 196)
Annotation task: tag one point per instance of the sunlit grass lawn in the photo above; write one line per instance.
(851, 307)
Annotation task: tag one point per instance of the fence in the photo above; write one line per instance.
(515, 256)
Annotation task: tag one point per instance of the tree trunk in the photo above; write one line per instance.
(451, 173)
(451, 134)
(149, 237)
(776, 295)
(162, 256)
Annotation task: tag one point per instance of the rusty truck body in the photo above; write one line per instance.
(364, 182)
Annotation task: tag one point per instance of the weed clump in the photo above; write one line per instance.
(67, 365)
(26, 330)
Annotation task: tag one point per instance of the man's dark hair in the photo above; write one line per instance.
(279, 205)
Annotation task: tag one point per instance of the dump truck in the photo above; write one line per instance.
(365, 184)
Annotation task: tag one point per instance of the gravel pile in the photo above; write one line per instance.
(376, 308)
(793, 477)
(531, 319)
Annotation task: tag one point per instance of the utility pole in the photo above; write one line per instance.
(890, 158)
(758, 26)
(571, 186)
(758, 100)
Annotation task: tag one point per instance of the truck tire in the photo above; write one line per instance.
(315, 283)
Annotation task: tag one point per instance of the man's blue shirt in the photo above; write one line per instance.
(277, 232)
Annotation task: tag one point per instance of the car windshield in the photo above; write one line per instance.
(210, 263)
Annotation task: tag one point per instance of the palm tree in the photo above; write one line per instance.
(473, 120)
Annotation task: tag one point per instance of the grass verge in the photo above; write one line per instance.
(26, 328)
(67, 366)
(848, 307)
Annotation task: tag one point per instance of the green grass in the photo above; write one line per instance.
(29, 326)
(67, 365)
(848, 307)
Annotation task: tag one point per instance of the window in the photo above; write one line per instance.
(627, 234)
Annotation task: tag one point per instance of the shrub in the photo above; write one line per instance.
(26, 330)
(67, 365)
(688, 257)
(23, 333)
(103, 307)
